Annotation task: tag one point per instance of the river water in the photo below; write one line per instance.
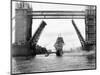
(53, 63)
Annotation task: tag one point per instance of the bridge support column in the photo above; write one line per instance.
(23, 30)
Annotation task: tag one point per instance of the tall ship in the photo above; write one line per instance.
(59, 46)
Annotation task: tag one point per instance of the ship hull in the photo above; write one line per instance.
(59, 52)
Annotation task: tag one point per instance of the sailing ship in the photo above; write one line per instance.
(59, 46)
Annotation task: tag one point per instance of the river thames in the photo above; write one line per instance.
(69, 61)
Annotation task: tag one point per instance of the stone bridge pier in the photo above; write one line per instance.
(23, 29)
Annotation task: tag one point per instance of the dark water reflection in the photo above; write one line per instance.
(90, 59)
(53, 63)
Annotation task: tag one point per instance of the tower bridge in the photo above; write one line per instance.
(23, 25)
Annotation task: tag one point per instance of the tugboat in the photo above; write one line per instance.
(59, 46)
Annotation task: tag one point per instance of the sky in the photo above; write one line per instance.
(55, 27)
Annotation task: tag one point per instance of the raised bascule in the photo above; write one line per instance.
(86, 45)
(26, 44)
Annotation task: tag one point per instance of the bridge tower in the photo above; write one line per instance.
(23, 28)
(23, 24)
(90, 22)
